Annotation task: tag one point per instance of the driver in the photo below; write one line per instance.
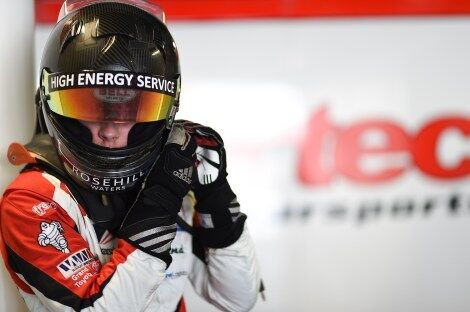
(119, 205)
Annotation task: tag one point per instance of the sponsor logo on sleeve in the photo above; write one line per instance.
(41, 208)
(52, 234)
(77, 264)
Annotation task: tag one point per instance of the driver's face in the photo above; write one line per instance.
(109, 134)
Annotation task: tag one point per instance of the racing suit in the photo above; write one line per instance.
(62, 257)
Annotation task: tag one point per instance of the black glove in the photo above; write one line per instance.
(219, 220)
(150, 224)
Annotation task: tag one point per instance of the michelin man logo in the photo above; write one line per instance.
(51, 234)
(208, 165)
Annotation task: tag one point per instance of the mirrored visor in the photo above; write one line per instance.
(107, 102)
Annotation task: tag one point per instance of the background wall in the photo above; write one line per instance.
(348, 147)
(16, 115)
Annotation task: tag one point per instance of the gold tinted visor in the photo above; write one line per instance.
(109, 103)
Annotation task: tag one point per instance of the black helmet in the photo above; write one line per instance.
(109, 62)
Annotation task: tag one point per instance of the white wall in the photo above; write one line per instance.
(16, 107)
(259, 82)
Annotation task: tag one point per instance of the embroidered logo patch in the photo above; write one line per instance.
(52, 234)
(77, 262)
(41, 208)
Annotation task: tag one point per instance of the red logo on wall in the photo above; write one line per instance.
(330, 150)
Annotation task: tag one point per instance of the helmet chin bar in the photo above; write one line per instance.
(109, 181)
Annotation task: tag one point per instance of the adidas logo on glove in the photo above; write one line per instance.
(184, 174)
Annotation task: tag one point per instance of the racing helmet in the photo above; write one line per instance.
(109, 62)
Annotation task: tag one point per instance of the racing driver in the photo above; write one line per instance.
(119, 205)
